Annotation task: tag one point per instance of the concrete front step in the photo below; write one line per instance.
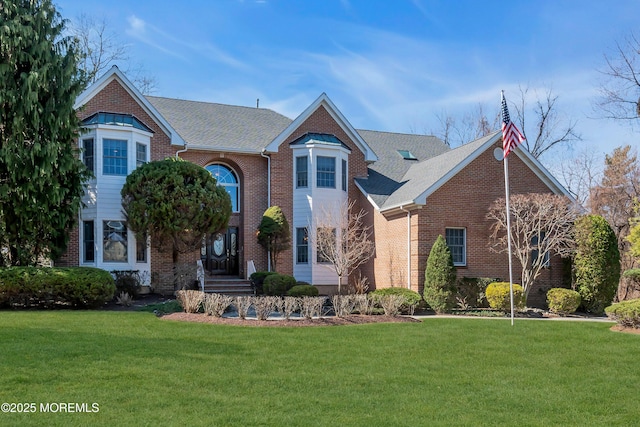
(228, 286)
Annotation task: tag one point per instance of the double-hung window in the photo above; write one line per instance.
(88, 154)
(302, 176)
(114, 157)
(535, 252)
(302, 246)
(456, 239)
(344, 175)
(141, 154)
(326, 172)
(88, 242)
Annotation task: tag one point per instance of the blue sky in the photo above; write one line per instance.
(387, 65)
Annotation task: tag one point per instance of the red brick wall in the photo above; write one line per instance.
(282, 170)
(252, 173)
(461, 202)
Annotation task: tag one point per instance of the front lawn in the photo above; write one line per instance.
(142, 370)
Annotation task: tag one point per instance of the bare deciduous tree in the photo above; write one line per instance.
(580, 174)
(619, 94)
(615, 197)
(541, 224)
(342, 239)
(470, 127)
(548, 131)
(100, 48)
(549, 128)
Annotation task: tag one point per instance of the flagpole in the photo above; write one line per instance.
(506, 189)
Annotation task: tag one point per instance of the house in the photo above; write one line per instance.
(413, 187)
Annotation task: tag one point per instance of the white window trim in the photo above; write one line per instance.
(464, 246)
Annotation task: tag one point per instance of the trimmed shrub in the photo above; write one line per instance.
(626, 313)
(303, 291)
(563, 301)
(278, 284)
(78, 287)
(499, 296)
(440, 277)
(411, 299)
(127, 281)
(216, 304)
(597, 262)
(257, 280)
(471, 290)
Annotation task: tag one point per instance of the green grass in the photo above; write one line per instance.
(142, 370)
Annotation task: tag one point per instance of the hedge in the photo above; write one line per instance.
(78, 287)
(626, 313)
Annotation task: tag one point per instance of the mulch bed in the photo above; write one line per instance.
(323, 321)
(620, 328)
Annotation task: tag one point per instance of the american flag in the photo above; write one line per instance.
(511, 136)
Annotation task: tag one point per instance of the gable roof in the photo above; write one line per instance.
(232, 128)
(422, 179)
(324, 101)
(115, 74)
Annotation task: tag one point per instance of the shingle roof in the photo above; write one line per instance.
(423, 176)
(225, 127)
(392, 180)
(385, 175)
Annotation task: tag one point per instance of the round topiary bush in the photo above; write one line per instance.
(278, 284)
(303, 291)
(563, 301)
(499, 296)
(257, 280)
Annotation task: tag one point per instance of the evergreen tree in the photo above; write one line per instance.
(274, 234)
(41, 178)
(176, 203)
(439, 277)
(597, 262)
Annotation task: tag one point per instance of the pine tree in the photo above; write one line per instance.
(41, 178)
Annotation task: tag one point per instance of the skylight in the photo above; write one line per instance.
(407, 155)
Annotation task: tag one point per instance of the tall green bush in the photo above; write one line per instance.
(440, 277)
(597, 263)
(274, 234)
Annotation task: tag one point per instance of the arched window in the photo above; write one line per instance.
(228, 179)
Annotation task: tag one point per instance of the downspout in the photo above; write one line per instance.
(262, 153)
(184, 150)
(408, 245)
